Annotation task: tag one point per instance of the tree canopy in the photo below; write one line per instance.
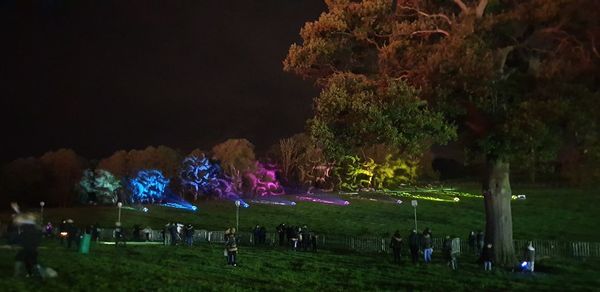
(519, 77)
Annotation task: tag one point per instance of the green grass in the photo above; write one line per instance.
(202, 267)
(560, 214)
(557, 214)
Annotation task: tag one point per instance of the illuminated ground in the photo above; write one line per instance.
(560, 214)
(564, 214)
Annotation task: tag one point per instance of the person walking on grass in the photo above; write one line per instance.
(189, 234)
(451, 250)
(28, 239)
(414, 244)
(119, 234)
(427, 247)
(231, 248)
(529, 256)
(281, 229)
(487, 255)
(396, 243)
(472, 241)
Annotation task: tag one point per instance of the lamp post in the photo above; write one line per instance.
(414, 204)
(42, 203)
(237, 214)
(119, 205)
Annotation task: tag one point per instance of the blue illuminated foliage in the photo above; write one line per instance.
(199, 175)
(148, 186)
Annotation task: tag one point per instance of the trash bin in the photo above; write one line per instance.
(84, 247)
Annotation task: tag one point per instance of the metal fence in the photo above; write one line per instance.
(550, 248)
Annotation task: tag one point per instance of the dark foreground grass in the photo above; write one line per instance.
(202, 268)
(548, 213)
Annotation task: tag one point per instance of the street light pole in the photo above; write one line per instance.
(42, 203)
(119, 205)
(414, 204)
(237, 215)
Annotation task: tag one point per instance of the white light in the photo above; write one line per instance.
(238, 203)
(413, 203)
(398, 201)
(42, 203)
(456, 199)
(119, 204)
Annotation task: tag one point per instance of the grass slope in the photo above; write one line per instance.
(201, 268)
(559, 214)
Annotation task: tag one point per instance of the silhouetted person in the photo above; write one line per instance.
(414, 244)
(529, 256)
(447, 251)
(281, 230)
(189, 234)
(396, 246)
(472, 241)
(256, 234)
(72, 234)
(427, 247)
(119, 235)
(231, 248)
(173, 233)
(487, 255)
(480, 241)
(262, 234)
(28, 239)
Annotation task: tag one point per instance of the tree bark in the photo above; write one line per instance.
(498, 215)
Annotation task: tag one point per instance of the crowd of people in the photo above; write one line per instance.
(25, 233)
(423, 244)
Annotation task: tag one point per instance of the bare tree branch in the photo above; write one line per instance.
(594, 48)
(462, 6)
(437, 30)
(481, 8)
(439, 15)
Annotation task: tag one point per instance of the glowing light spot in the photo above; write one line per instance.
(456, 199)
(324, 200)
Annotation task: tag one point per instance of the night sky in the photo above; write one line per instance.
(100, 76)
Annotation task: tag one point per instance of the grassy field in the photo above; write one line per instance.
(562, 214)
(558, 214)
(159, 268)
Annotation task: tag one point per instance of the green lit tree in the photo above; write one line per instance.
(520, 77)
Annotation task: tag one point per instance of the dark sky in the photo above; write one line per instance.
(99, 76)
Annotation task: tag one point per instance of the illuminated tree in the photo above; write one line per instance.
(263, 181)
(289, 152)
(510, 73)
(99, 186)
(148, 187)
(199, 175)
(236, 156)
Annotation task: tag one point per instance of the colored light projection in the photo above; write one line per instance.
(433, 194)
(355, 174)
(199, 176)
(148, 187)
(178, 203)
(99, 186)
(327, 200)
(263, 181)
(273, 201)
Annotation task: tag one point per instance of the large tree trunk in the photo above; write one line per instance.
(497, 198)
